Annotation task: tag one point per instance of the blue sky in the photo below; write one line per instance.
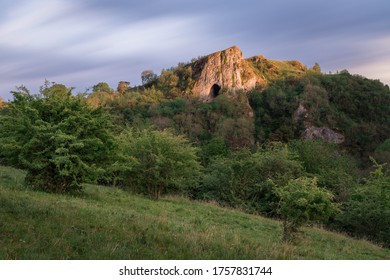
(82, 42)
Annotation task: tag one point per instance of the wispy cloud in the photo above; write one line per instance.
(57, 41)
(80, 42)
(58, 26)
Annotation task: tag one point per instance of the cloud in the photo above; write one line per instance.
(80, 42)
(25, 25)
(374, 60)
(54, 26)
(57, 41)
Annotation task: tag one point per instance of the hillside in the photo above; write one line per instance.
(270, 100)
(264, 150)
(287, 99)
(107, 223)
(228, 70)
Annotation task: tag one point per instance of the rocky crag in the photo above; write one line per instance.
(223, 70)
(227, 70)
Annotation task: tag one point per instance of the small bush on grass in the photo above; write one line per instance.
(301, 201)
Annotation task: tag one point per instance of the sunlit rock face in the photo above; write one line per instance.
(223, 70)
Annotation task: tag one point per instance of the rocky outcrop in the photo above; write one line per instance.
(312, 132)
(324, 133)
(227, 70)
(223, 70)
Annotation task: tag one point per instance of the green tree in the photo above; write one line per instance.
(242, 180)
(334, 169)
(213, 148)
(168, 82)
(382, 154)
(273, 109)
(316, 101)
(101, 87)
(302, 201)
(58, 138)
(164, 162)
(367, 213)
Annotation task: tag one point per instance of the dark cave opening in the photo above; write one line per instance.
(214, 91)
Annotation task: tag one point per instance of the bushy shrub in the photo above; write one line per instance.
(58, 138)
(213, 148)
(243, 180)
(163, 162)
(301, 201)
(367, 213)
(382, 155)
(335, 170)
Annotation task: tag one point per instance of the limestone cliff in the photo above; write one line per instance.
(223, 70)
(228, 70)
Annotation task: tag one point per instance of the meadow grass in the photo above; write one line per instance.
(108, 223)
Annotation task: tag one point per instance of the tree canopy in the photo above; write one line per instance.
(164, 162)
(302, 201)
(57, 137)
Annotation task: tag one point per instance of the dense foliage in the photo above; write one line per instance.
(245, 180)
(382, 155)
(301, 201)
(367, 213)
(354, 105)
(58, 138)
(162, 162)
(336, 171)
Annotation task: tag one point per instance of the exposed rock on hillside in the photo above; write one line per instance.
(312, 132)
(324, 133)
(223, 70)
(228, 70)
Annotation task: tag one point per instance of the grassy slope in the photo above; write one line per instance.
(276, 69)
(111, 224)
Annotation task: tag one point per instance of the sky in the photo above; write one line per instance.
(80, 43)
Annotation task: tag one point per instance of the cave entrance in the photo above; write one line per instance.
(214, 91)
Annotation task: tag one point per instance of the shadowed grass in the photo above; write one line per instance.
(108, 223)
